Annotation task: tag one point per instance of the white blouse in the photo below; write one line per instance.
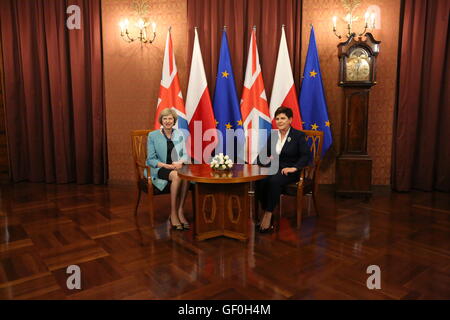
(280, 142)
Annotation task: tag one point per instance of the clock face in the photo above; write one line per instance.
(358, 66)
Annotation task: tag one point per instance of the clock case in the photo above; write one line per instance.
(345, 49)
(353, 164)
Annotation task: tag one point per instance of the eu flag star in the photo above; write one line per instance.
(314, 126)
(225, 74)
(239, 123)
(228, 126)
(327, 123)
(313, 74)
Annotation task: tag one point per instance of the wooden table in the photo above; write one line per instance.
(222, 204)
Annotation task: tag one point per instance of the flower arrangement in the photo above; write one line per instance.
(221, 162)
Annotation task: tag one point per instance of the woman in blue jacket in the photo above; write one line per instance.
(166, 153)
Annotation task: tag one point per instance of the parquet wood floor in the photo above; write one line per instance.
(46, 228)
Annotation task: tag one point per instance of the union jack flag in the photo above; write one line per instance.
(254, 106)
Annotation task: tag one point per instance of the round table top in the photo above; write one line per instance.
(240, 173)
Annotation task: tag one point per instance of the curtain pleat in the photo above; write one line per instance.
(54, 95)
(421, 146)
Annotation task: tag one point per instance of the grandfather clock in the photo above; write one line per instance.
(357, 75)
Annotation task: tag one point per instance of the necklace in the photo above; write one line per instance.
(164, 133)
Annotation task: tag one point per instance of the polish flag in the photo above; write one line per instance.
(254, 107)
(283, 90)
(170, 95)
(199, 110)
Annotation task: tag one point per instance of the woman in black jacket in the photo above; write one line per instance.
(293, 153)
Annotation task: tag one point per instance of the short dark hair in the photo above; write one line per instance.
(287, 111)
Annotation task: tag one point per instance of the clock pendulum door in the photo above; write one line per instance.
(354, 165)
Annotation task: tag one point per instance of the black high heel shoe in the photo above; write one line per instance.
(270, 229)
(186, 225)
(175, 226)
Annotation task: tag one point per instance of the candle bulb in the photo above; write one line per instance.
(154, 27)
(122, 26)
(348, 18)
(366, 18)
(372, 20)
(334, 22)
(141, 24)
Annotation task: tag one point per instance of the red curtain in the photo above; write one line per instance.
(210, 16)
(421, 142)
(54, 91)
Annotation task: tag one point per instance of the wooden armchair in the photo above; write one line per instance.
(308, 182)
(139, 147)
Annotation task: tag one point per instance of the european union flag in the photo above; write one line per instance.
(313, 106)
(226, 105)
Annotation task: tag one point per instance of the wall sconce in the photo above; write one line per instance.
(350, 5)
(142, 26)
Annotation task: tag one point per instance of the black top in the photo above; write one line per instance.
(170, 147)
(294, 154)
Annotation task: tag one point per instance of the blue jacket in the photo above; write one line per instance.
(157, 152)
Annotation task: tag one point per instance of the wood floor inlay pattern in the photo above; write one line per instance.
(46, 228)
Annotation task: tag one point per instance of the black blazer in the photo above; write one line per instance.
(294, 154)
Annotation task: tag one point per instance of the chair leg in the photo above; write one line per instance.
(137, 204)
(151, 208)
(299, 207)
(277, 219)
(315, 203)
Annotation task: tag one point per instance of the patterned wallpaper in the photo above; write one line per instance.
(132, 76)
(133, 73)
(382, 96)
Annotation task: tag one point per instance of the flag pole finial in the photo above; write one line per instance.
(170, 28)
(311, 25)
(254, 27)
(283, 26)
(224, 28)
(195, 28)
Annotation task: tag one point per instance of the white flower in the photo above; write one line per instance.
(221, 161)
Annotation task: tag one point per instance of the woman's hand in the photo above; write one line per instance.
(286, 171)
(177, 165)
(168, 166)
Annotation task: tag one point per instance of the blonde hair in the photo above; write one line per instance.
(168, 112)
